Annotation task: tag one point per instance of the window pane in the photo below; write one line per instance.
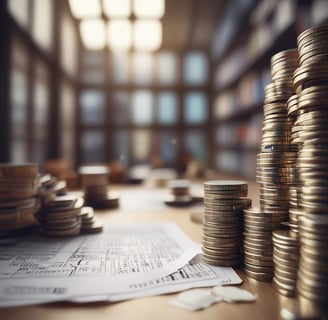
(195, 108)
(120, 107)
(141, 141)
(120, 146)
(92, 106)
(167, 68)
(167, 108)
(18, 103)
(195, 143)
(92, 146)
(168, 147)
(142, 66)
(120, 68)
(19, 10)
(195, 68)
(93, 67)
(67, 122)
(42, 23)
(142, 107)
(69, 45)
(40, 113)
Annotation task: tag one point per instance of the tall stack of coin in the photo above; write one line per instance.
(311, 85)
(258, 248)
(286, 258)
(94, 181)
(222, 242)
(294, 187)
(19, 185)
(273, 172)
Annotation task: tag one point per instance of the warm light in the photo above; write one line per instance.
(119, 34)
(85, 8)
(117, 8)
(93, 33)
(149, 8)
(147, 35)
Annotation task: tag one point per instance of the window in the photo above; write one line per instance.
(42, 30)
(40, 112)
(195, 108)
(120, 107)
(92, 146)
(167, 108)
(142, 107)
(19, 102)
(142, 67)
(67, 121)
(195, 68)
(92, 107)
(167, 68)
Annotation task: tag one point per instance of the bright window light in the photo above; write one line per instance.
(117, 8)
(147, 35)
(119, 34)
(85, 8)
(149, 8)
(93, 33)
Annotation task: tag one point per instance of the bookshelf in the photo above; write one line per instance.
(240, 58)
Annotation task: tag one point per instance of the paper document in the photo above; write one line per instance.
(125, 261)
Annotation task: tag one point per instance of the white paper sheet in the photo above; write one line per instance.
(125, 261)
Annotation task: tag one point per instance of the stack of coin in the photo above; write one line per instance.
(313, 270)
(224, 201)
(311, 85)
(60, 216)
(274, 171)
(294, 186)
(89, 222)
(258, 249)
(50, 187)
(19, 185)
(94, 181)
(179, 194)
(286, 258)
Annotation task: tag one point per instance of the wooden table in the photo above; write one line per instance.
(267, 305)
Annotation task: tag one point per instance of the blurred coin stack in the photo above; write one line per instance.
(224, 201)
(49, 187)
(311, 85)
(274, 169)
(94, 182)
(286, 258)
(19, 185)
(179, 194)
(60, 216)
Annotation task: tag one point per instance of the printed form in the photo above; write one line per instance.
(123, 262)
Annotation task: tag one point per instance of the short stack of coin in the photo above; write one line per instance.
(224, 201)
(311, 85)
(179, 194)
(50, 187)
(19, 185)
(94, 181)
(60, 216)
(89, 222)
(258, 248)
(286, 258)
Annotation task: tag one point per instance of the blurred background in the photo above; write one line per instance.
(132, 82)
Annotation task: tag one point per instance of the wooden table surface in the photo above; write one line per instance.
(150, 207)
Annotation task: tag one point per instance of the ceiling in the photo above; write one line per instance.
(189, 24)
